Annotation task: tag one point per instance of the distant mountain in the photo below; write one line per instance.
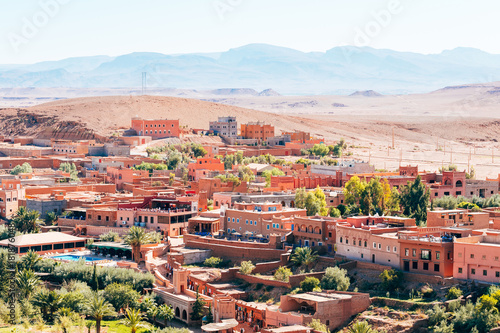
(340, 70)
(366, 93)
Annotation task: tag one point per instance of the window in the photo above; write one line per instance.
(246, 221)
(388, 248)
(379, 246)
(228, 219)
(366, 243)
(341, 239)
(484, 257)
(237, 220)
(496, 258)
(347, 241)
(407, 252)
(268, 227)
(426, 266)
(359, 242)
(98, 217)
(497, 274)
(438, 255)
(395, 249)
(436, 267)
(233, 219)
(414, 252)
(425, 255)
(460, 270)
(485, 272)
(415, 265)
(473, 271)
(374, 245)
(472, 255)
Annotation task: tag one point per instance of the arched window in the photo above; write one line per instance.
(177, 312)
(458, 183)
(184, 315)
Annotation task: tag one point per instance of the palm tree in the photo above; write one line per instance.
(27, 281)
(48, 302)
(361, 327)
(135, 238)
(304, 256)
(133, 319)
(98, 308)
(165, 312)
(30, 259)
(65, 322)
(50, 218)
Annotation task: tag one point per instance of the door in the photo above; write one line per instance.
(373, 258)
(406, 266)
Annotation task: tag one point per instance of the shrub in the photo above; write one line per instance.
(317, 325)
(453, 293)
(212, 262)
(246, 267)
(436, 315)
(391, 279)
(427, 292)
(283, 274)
(309, 283)
(335, 278)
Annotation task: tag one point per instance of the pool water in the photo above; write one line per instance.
(77, 257)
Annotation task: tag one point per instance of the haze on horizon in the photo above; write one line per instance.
(41, 30)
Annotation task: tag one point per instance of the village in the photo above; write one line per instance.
(239, 228)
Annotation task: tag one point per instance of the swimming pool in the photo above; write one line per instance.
(75, 257)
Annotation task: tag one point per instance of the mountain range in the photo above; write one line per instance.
(340, 70)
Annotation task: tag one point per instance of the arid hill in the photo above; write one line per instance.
(100, 117)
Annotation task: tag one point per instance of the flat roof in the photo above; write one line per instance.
(320, 297)
(292, 328)
(41, 238)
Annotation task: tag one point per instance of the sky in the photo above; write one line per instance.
(41, 30)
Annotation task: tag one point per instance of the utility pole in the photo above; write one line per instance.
(393, 138)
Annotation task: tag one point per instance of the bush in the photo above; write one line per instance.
(391, 279)
(212, 262)
(246, 267)
(283, 274)
(453, 293)
(335, 278)
(427, 292)
(106, 275)
(309, 283)
(436, 315)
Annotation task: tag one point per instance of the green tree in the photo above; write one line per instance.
(335, 279)
(30, 259)
(269, 173)
(300, 198)
(27, 221)
(134, 320)
(210, 316)
(27, 282)
(198, 150)
(4, 273)
(165, 312)
(453, 293)
(334, 212)
(71, 169)
(391, 279)
(135, 238)
(282, 274)
(94, 283)
(24, 168)
(171, 179)
(414, 200)
(110, 236)
(319, 150)
(310, 283)
(121, 296)
(197, 308)
(98, 308)
(304, 256)
(50, 218)
(48, 301)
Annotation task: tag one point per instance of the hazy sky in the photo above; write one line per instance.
(37, 30)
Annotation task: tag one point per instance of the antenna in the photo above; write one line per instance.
(144, 82)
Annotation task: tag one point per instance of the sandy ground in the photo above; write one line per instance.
(455, 125)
